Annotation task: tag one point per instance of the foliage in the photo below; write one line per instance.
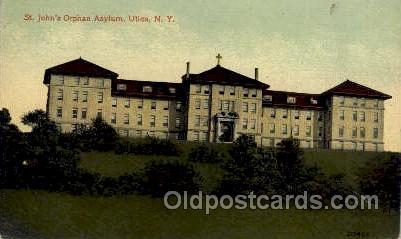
(204, 154)
(147, 146)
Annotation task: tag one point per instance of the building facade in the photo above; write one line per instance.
(216, 105)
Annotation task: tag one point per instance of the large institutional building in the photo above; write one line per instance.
(216, 105)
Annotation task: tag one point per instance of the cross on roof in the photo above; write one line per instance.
(218, 59)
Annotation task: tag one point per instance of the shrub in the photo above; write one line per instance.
(204, 154)
(147, 146)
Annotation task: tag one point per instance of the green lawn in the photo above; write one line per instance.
(55, 215)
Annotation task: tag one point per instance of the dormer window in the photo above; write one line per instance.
(147, 89)
(268, 98)
(313, 101)
(291, 100)
(172, 90)
(122, 87)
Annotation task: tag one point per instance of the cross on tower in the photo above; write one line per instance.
(218, 59)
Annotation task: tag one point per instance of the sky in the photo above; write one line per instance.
(304, 46)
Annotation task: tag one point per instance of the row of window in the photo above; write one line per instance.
(295, 130)
(362, 132)
(78, 80)
(362, 116)
(153, 104)
(307, 143)
(200, 136)
(246, 92)
(75, 96)
(354, 146)
(296, 114)
(361, 102)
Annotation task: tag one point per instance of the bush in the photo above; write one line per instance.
(204, 154)
(160, 177)
(147, 146)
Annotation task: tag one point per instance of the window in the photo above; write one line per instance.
(355, 116)
(166, 105)
(341, 144)
(197, 104)
(342, 114)
(140, 104)
(320, 116)
(291, 100)
(253, 123)
(197, 89)
(245, 107)
(308, 115)
(375, 133)
(151, 133)
(376, 117)
(172, 90)
(354, 145)
(138, 133)
(284, 129)
(296, 114)
(178, 106)
(165, 121)
(244, 123)
(114, 102)
(362, 132)
(127, 103)
(75, 95)
(354, 132)
(139, 119)
(355, 101)
(254, 93)
(376, 103)
(59, 112)
(147, 89)
(113, 118)
(59, 79)
(85, 80)
(272, 128)
(271, 142)
(74, 113)
(196, 136)
(296, 130)
(163, 135)
(268, 98)
(152, 121)
(203, 136)
(123, 132)
(245, 92)
(84, 96)
(320, 132)
(206, 104)
(308, 131)
(313, 101)
(285, 114)
(101, 83)
(221, 90)
(226, 105)
(363, 102)
(99, 113)
(253, 108)
(74, 127)
(60, 94)
(206, 89)
(178, 122)
(341, 132)
(84, 113)
(205, 121)
(126, 118)
(197, 121)
(341, 100)
(153, 105)
(376, 147)
(273, 113)
(76, 80)
(362, 115)
(232, 90)
(122, 87)
(100, 97)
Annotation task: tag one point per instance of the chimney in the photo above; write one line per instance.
(256, 73)
(187, 70)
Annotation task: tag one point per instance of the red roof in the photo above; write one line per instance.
(79, 67)
(350, 88)
(221, 75)
(302, 100)
(134, 88)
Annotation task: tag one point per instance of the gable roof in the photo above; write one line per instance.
(134, 88)
(302, 100)
(223, 76)
(79, 67)
(350, 88)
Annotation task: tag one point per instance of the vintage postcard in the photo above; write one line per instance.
(200, 119)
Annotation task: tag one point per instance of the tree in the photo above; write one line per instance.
(5, 117)
(103, 136)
